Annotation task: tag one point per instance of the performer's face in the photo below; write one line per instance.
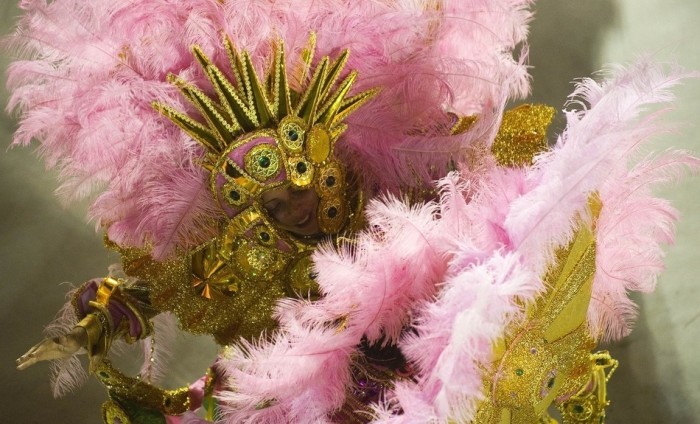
(293, 210)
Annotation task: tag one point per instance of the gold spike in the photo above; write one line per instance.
(242, 112)
(202, 58)
(333, 105)
(279, 87)
(207, 65)
(245, 72)
(221, 129)
(352, 104)
(194, 129)
(231, 101)
(337, 131)
(233, 61)
(333, 72)
(258, 99)
(306, 109)
(307, 57)
(302, 71)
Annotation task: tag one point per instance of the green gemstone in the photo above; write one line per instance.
(519, 372)
(235, 196)
(264, 161)
(578, 409)
(293, 135)
(265, 237)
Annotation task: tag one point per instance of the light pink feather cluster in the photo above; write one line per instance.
(369, 287)
(473, 261)
(530, 212)
(91, 69)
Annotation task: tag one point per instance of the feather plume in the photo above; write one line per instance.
(66, 374)
(598, 140)
(369, 289)
(454, 337)
(631, 229)
(90, 71)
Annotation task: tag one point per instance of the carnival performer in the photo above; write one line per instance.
(336, 193)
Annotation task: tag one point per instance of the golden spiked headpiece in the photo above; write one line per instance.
(265, 135)
(260, 136)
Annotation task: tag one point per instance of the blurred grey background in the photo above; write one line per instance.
(43, 243)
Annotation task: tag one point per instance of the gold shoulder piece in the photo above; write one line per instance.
(547, 356)
(523, 134)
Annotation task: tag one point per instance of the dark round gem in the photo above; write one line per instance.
(264, 237)
(231, 171)
(550, 383)
(301, 167)
(167, 402)
(235, 196)
(104, 375)
(264, 161)
(519, 372)
(313, 275)
(332, 212)
(578, 409)
(330, 181)
(293, 135)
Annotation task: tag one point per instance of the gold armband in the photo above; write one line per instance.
(96, 327)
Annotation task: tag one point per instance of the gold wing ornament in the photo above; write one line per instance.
(547, 359)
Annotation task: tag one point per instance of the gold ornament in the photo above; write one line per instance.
(264, 136)
(546, 358)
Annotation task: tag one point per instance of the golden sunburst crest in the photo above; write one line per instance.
(246, 102)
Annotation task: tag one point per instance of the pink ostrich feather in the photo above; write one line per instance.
(632, 227)
(599, 139)
(90, 71)
(369, 288)
(518, 217)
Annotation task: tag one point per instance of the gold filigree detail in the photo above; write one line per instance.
(301, 171)
(331, 180)
(263, 162)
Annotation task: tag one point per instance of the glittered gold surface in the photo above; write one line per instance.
(547, 356)
(522, 135)
(589, 403)
(245, 314)
(122, 388)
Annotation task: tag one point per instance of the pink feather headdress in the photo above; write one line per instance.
(95, 67)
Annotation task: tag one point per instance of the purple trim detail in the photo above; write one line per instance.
(88, 292)
(117, 310)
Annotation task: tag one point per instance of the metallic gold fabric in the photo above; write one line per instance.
(547, 356)
(522, 135)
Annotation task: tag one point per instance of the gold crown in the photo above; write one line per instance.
(259, 136)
